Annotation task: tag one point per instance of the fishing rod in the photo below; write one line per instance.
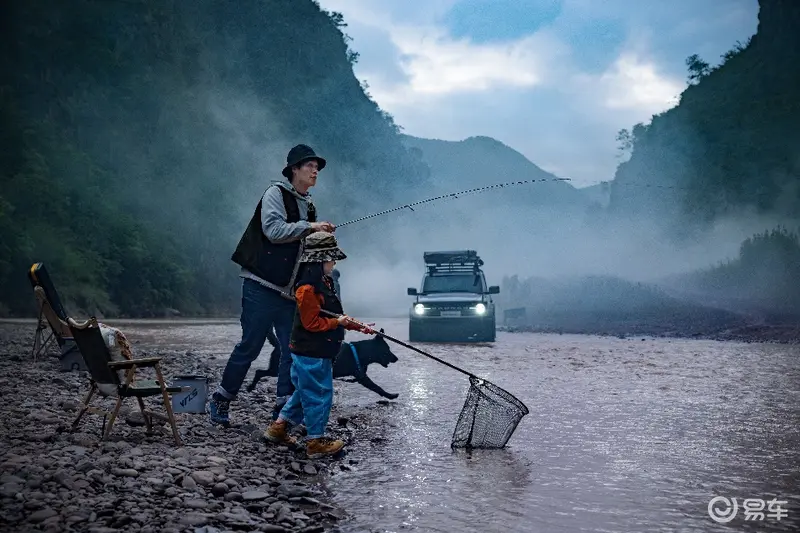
(453, 195)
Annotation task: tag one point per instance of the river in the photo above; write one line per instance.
(623, 435)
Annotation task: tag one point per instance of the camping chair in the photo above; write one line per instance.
(51, 312)
(105, 378)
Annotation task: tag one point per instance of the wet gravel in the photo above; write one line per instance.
(54, 479)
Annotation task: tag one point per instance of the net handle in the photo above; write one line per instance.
(410, 347)
(388, 337)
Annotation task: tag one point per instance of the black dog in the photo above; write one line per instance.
(374, 350)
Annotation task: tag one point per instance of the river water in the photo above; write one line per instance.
(623, 435)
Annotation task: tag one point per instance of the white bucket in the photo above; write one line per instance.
(193, 400)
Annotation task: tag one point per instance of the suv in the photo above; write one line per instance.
(454, 303)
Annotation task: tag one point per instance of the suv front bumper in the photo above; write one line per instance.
(444, 329)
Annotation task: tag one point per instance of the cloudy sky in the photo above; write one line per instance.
(554, 79)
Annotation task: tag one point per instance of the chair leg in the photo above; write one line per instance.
(120, 398)
(145, 415)
(85, 407)
(107, 432)
(40, 343)
(168, 405)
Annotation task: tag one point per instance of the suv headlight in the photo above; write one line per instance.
(419, 309)
(480, 309)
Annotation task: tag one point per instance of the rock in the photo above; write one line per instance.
(195, 504)
(293, 490)
(284, 514)
(203, 477)
(254, 495)
(194, 519)
(220, 489)
(42, 515)
(137, 481)
(9, 490)
(207, 529)
(124, 472)
(70, 405)
(75, 519)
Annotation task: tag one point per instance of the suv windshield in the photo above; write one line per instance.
(453, 283)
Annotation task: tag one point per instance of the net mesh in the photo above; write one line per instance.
(489, 416)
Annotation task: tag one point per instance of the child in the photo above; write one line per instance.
(315, 341)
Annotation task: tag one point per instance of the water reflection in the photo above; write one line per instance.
(623, 435)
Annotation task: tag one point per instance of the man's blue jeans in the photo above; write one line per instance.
(262, 308)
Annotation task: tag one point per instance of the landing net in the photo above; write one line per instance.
(489, 416)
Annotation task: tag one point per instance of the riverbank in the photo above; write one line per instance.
(52, 479)
(769, 333)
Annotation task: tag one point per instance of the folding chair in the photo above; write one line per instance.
(51, 312)
(105, 378)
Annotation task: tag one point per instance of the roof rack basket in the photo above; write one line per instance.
(459, 261)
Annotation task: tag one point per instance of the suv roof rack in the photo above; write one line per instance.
(452, 261)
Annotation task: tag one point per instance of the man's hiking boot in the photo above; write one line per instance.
(218, 410)
(323, 446)
(277, 433)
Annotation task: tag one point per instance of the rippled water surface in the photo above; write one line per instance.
(626, 435)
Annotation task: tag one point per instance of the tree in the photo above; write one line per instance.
(737, 49)
(625, 140)
(628, 138)
(698, 68)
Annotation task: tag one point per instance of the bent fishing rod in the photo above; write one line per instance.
(450, 196)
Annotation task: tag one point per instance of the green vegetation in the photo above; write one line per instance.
(763, 279)
(138, 136)
(731, 143)
(728, 151)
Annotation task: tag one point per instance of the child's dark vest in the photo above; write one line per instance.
(269, 261)
(323, 344)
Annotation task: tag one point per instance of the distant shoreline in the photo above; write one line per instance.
(773, 334)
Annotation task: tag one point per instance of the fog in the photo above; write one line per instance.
(541, 243)
(557, 243)
(186, 147)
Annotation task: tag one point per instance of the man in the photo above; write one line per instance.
(269, 253)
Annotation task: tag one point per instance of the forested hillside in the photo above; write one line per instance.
(730, 147)
(138, 136)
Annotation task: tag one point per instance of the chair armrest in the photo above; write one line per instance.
(144, 361)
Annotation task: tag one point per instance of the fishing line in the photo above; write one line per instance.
(450, 196)
(605, 187)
